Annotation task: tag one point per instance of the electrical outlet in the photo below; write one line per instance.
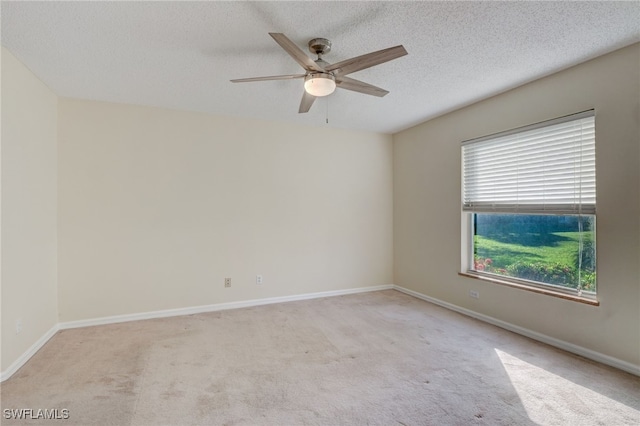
(474, 294)
(227, 282)
(18, 326)
(259, 279)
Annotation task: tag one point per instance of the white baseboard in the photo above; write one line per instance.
(28, 353)
(579, 350)
(176, 312)
(215, 307)
(561, 344)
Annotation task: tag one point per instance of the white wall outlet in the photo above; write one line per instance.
(259, 279)
(474, 294)
(227, 282)
(18, 326)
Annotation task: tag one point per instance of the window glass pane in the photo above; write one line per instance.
(550, 249)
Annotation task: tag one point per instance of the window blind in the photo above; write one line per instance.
(547, 167)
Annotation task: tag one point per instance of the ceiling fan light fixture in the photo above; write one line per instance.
(320, 84)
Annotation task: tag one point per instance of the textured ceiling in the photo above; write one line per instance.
(183, 54)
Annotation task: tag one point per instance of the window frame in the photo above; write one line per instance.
(468, 232)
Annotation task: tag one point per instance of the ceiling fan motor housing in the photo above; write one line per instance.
(320, 83)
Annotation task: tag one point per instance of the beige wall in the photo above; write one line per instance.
(427, 219)
(157, 207)
(29, 209)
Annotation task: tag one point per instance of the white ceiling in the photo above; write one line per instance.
(183, 54)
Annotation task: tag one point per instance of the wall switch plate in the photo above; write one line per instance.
(259, 279)
(474, 294)
(227, 282)
(18, 326)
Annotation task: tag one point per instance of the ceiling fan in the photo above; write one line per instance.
(322, 78)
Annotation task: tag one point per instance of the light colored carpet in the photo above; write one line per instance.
(380, 358)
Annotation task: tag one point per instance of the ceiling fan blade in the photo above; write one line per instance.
(344, 82)
(274, 77)
(300, 57)
(306, 102)
(366, 61)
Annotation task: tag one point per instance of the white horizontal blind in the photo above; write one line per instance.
(544, 168)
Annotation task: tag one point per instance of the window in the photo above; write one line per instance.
(529, 204)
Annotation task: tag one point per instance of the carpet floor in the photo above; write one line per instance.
(380, 358)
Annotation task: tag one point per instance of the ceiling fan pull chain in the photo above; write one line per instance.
(327, 119)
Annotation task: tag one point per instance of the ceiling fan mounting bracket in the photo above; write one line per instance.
(319, 46)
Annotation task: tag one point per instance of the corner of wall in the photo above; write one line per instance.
(28, 227)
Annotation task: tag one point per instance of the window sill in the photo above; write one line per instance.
(548, 292)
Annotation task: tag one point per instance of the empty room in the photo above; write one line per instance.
(320, 213)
